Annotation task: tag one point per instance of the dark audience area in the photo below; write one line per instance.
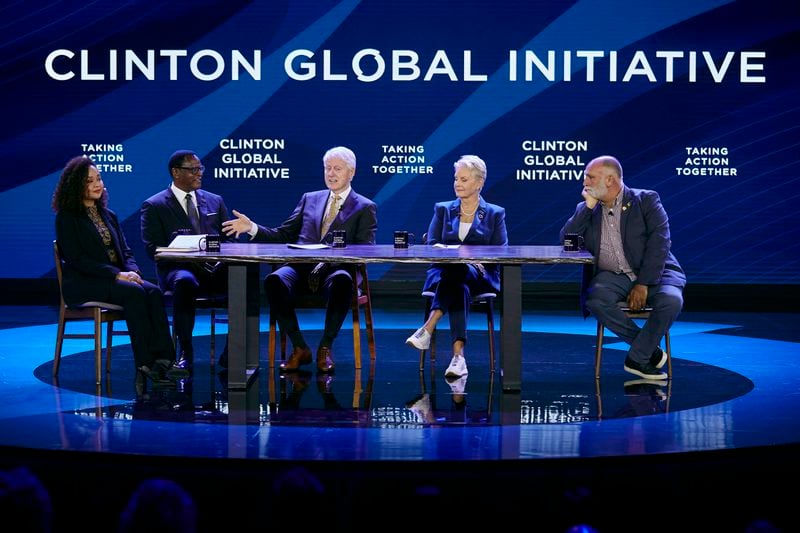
(736, 491)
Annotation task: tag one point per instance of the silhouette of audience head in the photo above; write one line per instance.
(297, 482)
(762, 525)
(25, 501)
(294, 488)
(159, 505)
(581, 528)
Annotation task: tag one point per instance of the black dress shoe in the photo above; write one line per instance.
(154, 376)
(139, 385)
(182, 363)
(186, 355)
(223, 358)
(180, 370)
(174, 369)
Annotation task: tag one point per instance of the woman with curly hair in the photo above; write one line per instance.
(98, 265)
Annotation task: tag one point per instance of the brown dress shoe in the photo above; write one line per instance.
(299, 381)
(324, 382)
(299, 356)
(325, 362)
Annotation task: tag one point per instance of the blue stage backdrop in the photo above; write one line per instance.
(697, 98)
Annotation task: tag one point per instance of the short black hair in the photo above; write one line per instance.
(177, 159)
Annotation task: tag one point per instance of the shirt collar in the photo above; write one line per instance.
(615, 206)
(181, 195)
(343, 195)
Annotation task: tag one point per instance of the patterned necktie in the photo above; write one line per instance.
(333, 210)
(191, 210)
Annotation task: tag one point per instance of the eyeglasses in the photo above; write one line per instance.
(194, 170)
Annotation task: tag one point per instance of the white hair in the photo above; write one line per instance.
(474, 164)
(343, 153)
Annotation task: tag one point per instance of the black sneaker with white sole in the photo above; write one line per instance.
(645, 387)
(659, 357)
(643, 370)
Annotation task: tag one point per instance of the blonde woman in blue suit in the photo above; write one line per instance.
(469, 219)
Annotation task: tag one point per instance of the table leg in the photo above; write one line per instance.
(243, 330)
(511, 329)
(510, 418)
(243, 413)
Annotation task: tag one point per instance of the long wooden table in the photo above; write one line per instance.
(243, 330)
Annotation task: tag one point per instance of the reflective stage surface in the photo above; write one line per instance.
(730, 408)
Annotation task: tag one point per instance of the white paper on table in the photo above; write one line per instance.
(308, 246)
(183, 243)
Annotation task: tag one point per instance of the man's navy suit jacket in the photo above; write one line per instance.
(646, 241)
(357, 216)
(163, 218)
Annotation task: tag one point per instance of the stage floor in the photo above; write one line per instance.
(735, 388)
(728, 371)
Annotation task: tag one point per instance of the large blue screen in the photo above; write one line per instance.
(697, 98)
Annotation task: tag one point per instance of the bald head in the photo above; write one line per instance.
(602, 178)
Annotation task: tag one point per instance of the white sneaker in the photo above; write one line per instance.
(421, 339)
(457, 368)
(422, 408)
(458, 385)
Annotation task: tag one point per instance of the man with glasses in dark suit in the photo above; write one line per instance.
(185, 208)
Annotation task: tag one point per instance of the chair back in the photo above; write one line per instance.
(98, 312)
(59, 270)
(105, 306)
